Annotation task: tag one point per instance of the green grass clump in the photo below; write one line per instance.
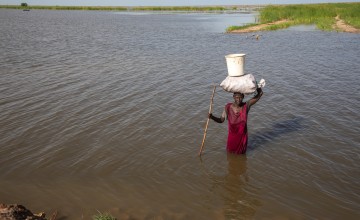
(232, 28)
(350, 14)
(278, 26)
(103, 216)
(322, 15)
(306, 13)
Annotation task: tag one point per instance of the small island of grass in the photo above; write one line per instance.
(337, 16)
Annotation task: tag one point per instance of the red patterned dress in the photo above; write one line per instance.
(237, 127)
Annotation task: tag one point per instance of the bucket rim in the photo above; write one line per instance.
(235, 55)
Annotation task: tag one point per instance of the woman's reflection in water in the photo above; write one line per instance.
(239, 196)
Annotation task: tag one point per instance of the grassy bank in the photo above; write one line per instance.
(322, 15)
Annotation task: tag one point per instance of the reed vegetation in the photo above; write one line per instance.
(278, 26)
(322, 15)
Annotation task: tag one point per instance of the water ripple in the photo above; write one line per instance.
(118, 102)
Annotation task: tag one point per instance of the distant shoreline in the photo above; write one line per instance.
(214, 9)
(273, 17)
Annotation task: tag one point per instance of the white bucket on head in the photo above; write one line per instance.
(235, 64)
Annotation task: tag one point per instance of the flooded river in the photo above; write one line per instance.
(106, 110)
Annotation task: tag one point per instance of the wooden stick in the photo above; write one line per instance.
(207, 121)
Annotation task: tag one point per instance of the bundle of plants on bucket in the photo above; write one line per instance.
(237, 80)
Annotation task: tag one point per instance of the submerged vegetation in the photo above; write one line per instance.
(103, 216)
(322, 15)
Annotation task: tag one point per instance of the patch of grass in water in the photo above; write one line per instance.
(103, 216)
(232, 28)
(278, 26)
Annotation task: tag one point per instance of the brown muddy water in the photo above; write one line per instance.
(104, 111)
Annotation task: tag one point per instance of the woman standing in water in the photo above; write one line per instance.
(236, 114)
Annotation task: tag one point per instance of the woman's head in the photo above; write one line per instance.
(238, 97)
